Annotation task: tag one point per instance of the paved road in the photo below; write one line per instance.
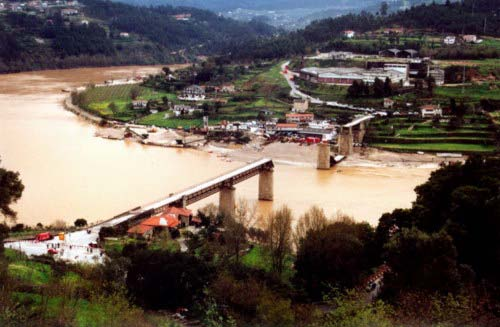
(296, 93)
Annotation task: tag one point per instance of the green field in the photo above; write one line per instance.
(402, 134)
(438, 147)
(470, 93)
(98, 100)
(159, 120)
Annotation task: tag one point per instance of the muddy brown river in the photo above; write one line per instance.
(69, 173)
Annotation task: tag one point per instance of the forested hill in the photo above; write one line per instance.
(95, 37)
(203, 29)
(480, 17)
(460, 18)
(224, 5)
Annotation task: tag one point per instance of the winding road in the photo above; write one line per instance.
(296, 93)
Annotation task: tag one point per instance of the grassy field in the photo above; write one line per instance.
(159, 120)
(259, 258)
(485, 66)
(471, 93)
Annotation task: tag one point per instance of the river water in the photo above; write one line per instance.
(69, 173)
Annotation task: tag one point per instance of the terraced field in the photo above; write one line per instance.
(98, 100)
(401, 134)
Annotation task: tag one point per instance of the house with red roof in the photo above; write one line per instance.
(183, 214)
(148, 227)
(141, 230)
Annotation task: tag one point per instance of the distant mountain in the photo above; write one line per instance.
(225, 5)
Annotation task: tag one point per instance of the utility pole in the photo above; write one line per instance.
(463, 80)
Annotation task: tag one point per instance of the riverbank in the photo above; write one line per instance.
(292, 154)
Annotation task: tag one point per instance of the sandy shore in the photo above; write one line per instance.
(305, 156)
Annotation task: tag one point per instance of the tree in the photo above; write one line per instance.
(351, 309)
(135, 91)
(419, 85)
(431, 84)
(4, 233)
(11, 190)
(274, 311)
(165, 100)
(161, 279)
(459, 202)
(237, 226)
(421, 261)
(59, 224)
(113, 107)
(335, 256)
(80, 222)
(384, 7)
(356, 89)
(387, 87)
(279, 231)
(166, 70)
(314, 220)
(378, 88)
(17, 228)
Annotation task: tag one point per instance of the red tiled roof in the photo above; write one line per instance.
(139, 229)
(178, 211)
(299, 115)
(429, 107)
(291, 125)
(164, 220)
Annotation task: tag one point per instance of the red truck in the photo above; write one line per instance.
(312, 140)
(43, 237)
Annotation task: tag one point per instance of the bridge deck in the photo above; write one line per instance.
(196, 192)
(358, 121)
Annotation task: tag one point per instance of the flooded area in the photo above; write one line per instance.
(69, 173)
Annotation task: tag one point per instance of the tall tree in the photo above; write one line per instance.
(314, 220)
(336, 256)
(384, 7)
(378, 88)
(279, 231)
(387, 87)
(11, 190)
(237, 225)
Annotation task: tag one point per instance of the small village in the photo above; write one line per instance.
(300, 101)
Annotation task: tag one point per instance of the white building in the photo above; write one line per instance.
(181, 109)
(431, 110)
(139, 104)
(449, 40)
(300, 105)
(349, 34)
(347, 75)
(193, 93)
(124, 35)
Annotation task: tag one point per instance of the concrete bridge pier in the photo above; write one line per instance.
(323, 161)
(227, 200)
(346, 141)
(266, 185)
